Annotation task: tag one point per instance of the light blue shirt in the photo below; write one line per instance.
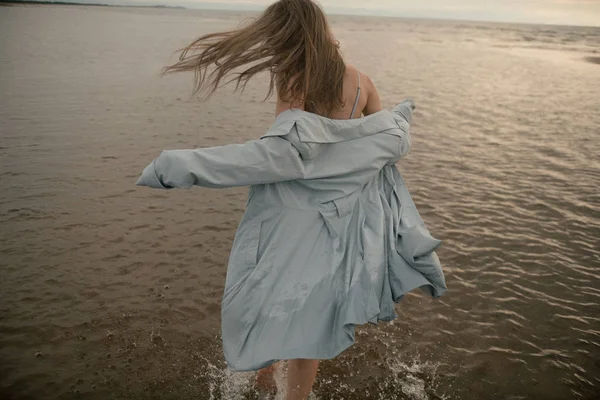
(330, 238)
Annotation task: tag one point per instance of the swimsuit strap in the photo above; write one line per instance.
(357, 97)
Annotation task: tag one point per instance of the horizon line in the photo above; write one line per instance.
(242, 7)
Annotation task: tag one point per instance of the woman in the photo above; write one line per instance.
(330, 238)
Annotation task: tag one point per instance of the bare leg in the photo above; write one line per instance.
(264, 378)
(300, 377)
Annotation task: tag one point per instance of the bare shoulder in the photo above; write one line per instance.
(351, 69)
(352, 72)
(366, 82)
(370, 102)
(373, 102)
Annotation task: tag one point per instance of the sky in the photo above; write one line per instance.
(560, 12)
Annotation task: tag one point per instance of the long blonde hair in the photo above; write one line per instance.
(291, 39)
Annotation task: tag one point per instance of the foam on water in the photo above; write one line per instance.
(410, 380)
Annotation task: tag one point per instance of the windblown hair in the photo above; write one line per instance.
(291, 39)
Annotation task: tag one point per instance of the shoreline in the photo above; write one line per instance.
(67, 3)
(332, 13)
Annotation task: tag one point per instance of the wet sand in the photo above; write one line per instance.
(113, 291)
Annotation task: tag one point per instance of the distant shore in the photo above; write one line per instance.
(68, 3)
(593, 60)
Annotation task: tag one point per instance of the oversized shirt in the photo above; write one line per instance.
(330, 238)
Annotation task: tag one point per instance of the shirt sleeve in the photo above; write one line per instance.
(266, 160)
(404, 110)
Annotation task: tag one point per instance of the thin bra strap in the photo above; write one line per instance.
(357, 97)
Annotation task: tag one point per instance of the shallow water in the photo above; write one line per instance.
(112, 290)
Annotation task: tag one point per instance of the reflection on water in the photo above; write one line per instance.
(110, 289)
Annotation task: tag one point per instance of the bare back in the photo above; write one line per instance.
(358, 89)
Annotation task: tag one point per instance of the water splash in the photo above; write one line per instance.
(416, 378)
(236, 385)
(401, 380)
(224, 384)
